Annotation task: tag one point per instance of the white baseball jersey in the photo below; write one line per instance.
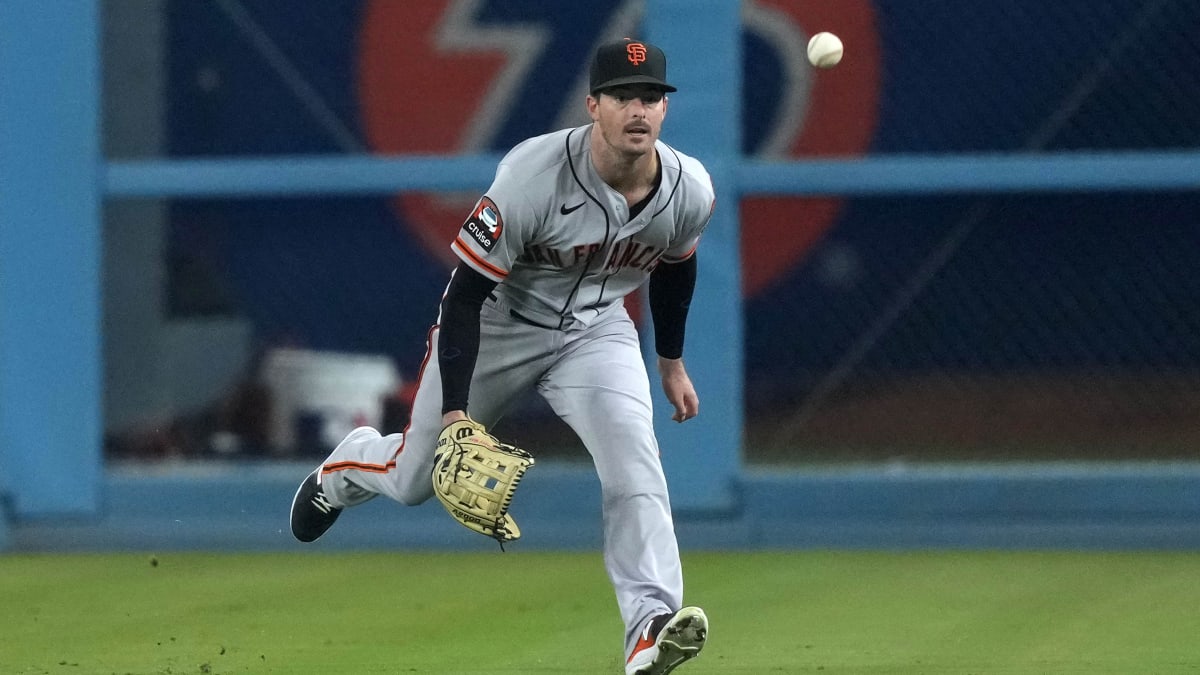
(559, 239)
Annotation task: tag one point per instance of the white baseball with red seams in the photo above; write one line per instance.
(562, 245)
(825, 50)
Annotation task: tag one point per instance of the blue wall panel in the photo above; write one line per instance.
(1036, 506)
(50, 420)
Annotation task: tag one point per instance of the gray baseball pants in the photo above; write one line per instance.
(595, 379)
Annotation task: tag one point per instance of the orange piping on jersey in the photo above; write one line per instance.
(420, 379)
(359, 466)
(384, 468)
(683, 257)
(488, 268)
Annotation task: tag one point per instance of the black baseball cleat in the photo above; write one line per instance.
(312, 514)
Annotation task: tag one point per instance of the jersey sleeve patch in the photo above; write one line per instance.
(485, 225)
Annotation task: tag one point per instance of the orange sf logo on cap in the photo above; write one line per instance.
(636, 52)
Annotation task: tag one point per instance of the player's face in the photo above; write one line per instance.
(629, 118)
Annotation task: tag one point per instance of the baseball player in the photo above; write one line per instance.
(574, 221)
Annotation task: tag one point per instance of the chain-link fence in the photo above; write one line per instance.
(985, 327)
(1028, 76)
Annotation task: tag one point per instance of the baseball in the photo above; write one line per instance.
(824, 50)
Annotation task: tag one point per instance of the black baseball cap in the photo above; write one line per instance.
(629, 62)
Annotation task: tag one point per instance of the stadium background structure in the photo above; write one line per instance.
(54, 172)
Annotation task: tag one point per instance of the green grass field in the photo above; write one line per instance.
(518, 612)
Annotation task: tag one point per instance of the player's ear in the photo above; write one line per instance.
(593, 105)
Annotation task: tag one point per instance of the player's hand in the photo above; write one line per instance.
(678, 387)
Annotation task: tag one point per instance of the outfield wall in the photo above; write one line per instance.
(1111, 283)
(1044, 506)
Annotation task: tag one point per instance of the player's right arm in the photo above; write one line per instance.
(458, 338)
(488, 243)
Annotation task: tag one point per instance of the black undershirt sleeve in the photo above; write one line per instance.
(458, 336)
(671, 286)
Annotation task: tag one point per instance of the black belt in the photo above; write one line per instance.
(513, 313)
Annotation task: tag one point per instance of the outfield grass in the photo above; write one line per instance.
(519, 612)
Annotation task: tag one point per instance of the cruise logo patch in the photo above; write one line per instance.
(484, 225)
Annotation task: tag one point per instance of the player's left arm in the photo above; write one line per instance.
(672, 283)
(670, 294)
(679, 389)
